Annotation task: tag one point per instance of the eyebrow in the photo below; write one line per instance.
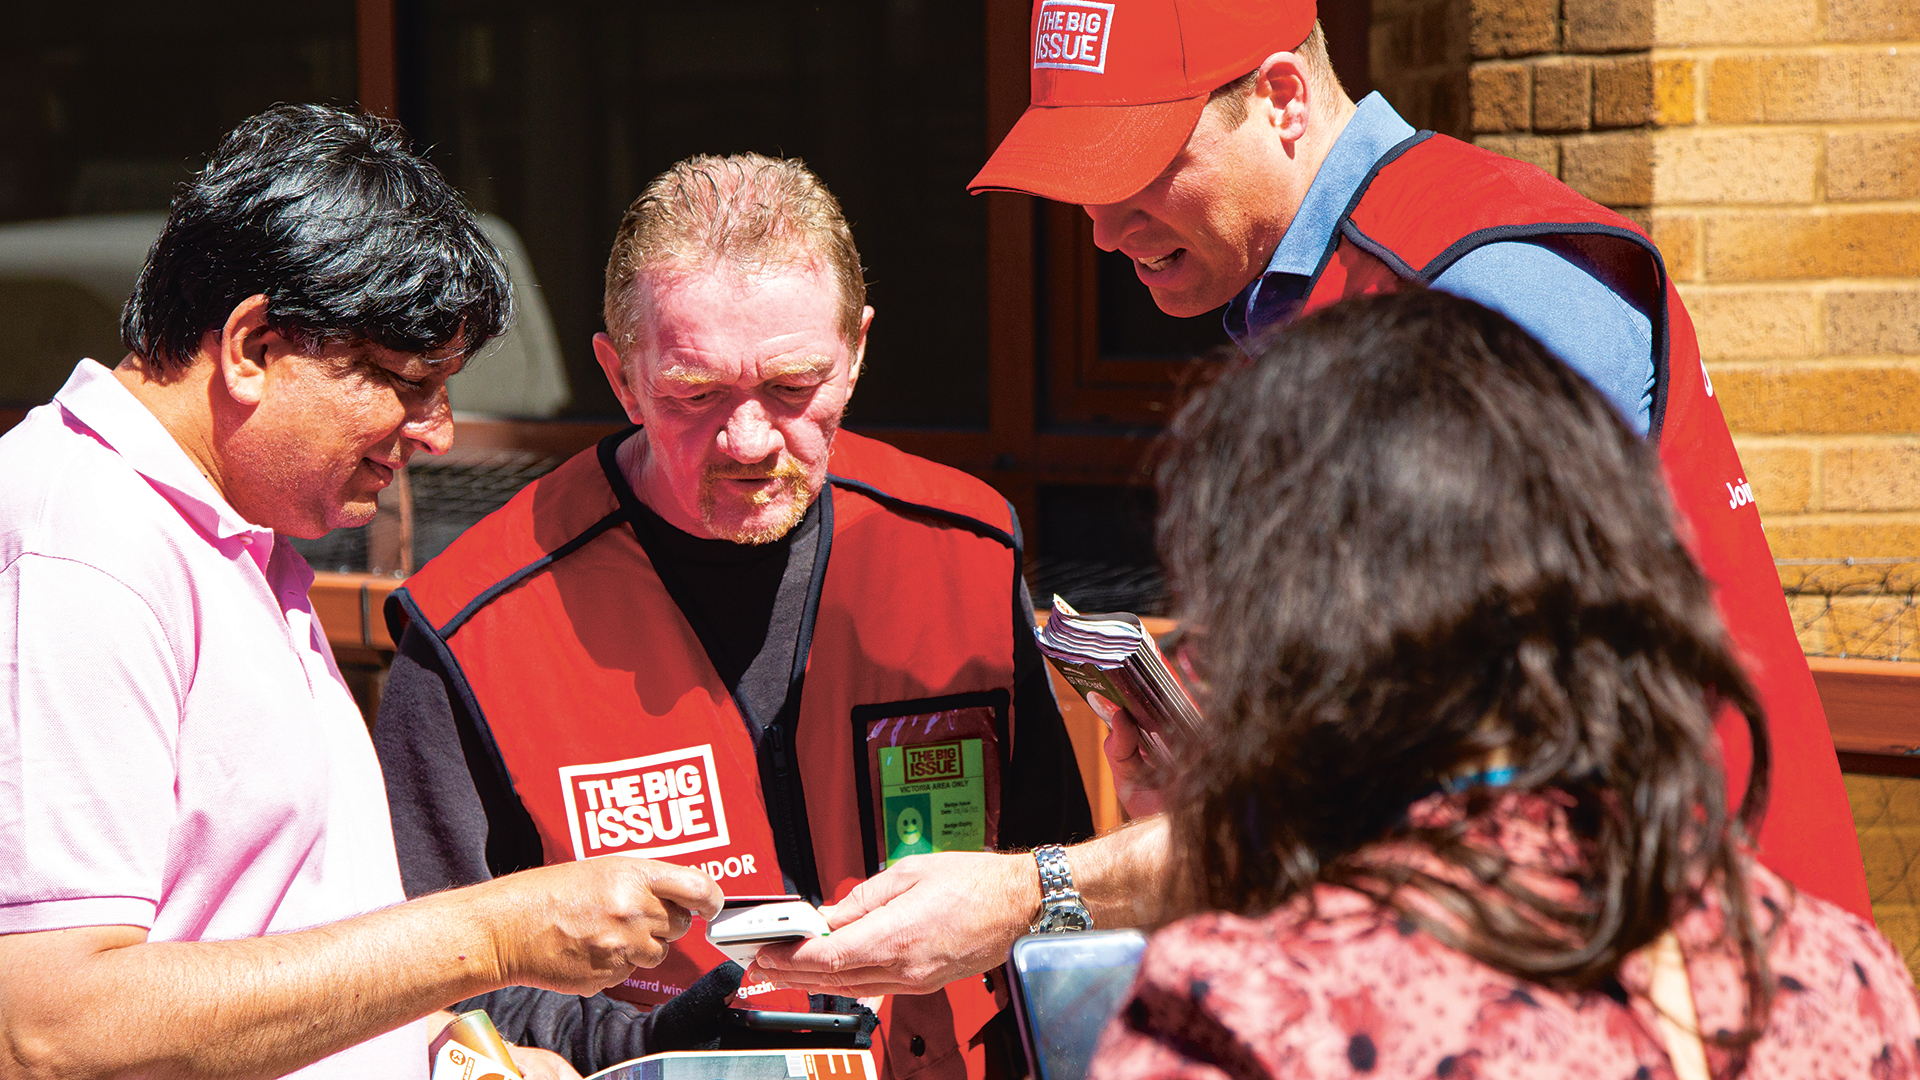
(780, 369)
(809, 365)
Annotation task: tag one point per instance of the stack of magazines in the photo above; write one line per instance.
(1112, 657)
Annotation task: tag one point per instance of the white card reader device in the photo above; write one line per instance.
(746, 923)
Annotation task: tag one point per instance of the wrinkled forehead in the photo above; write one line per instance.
(726, 325)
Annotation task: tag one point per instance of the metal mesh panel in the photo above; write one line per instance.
(1091, 585)
(1862, 608)
(449, 495)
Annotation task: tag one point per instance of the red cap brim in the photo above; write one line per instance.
(1089, 154)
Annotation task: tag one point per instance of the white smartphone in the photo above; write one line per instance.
(746, 923)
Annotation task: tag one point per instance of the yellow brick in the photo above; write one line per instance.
(1607, 25)
(1874, 477)
(1830, 398)
(1678, 238)
(1856, 84)
(1892, 856)
(1734, 22)
(1884, 800)
(1613, 168)
(1562, 95)
(1809, 619)
(1873, 20)
(1755, 323)
(1622, 92)
(1674, 86)
(1825, 578)
(1781, 477)
(1502, 97)
(1540, 150)
(1514, 27)
(1761, 245)
(1860, 537)
(1705, 165)
(1874, 628)
(1873, 165)
(1901, 924)
(1869, 321)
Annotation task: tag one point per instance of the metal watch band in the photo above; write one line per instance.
(1061, 907)
(1055, 875)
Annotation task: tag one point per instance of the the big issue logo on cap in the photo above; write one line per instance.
(1072, 35)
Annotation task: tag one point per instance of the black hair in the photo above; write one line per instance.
(1410, 538)
(350, 236)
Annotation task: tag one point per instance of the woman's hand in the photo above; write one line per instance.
(1124, 749)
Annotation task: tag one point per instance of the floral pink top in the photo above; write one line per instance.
(1355, 991)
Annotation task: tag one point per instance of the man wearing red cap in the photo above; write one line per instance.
(1211, 143)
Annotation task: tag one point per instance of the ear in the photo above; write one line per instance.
(616, 371)
(1283, 87)
(860, 348)
(244, 348)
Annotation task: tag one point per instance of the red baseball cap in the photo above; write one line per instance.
(1118, 88)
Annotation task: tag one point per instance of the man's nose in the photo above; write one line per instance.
(749, 434)
(1109, 224)
(431, 425)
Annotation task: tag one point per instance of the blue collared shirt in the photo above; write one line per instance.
(1595, 330)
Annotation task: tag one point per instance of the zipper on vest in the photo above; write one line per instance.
(796, 855)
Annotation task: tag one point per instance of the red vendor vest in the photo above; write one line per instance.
(1432, 199)
(618, 736)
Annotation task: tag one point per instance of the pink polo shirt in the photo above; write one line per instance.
(177, 750)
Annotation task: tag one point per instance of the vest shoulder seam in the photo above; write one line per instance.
(951, 517)
(493, 592)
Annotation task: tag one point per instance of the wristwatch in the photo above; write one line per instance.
(1060, 905)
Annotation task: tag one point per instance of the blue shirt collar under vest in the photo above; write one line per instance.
(1275, 296)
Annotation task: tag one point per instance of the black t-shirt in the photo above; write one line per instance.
(744, 602)
(455, 822)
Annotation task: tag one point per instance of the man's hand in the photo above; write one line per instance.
(1123, 748)
(581, 927)
(533, 1063)
(920, 924)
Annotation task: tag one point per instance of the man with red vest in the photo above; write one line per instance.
(737, 638)
(1211, 143)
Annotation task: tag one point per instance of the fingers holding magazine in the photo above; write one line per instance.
(1115, 664)
(1132, 776)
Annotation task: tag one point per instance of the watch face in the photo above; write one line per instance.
(1064, 917)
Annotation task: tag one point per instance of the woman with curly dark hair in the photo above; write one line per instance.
(1457, 810)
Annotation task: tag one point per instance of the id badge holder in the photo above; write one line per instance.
(929, 771)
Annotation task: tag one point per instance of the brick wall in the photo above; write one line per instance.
(1772, 149)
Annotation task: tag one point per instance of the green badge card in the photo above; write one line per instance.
(933, 780)
(934, 798)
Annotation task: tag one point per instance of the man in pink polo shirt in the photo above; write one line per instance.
(197, 874)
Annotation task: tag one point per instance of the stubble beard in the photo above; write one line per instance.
(790, 483)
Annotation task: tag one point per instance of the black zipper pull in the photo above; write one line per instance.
(779, 737)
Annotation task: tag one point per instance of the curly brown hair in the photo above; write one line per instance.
(1410, 538)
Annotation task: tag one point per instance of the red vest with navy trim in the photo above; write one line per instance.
(1431, 200)
(618, 736)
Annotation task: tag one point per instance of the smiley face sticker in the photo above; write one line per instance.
(907, 825)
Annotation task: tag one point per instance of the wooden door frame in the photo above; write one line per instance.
(379, 59)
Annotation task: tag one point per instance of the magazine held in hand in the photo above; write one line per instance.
(1113, 656)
